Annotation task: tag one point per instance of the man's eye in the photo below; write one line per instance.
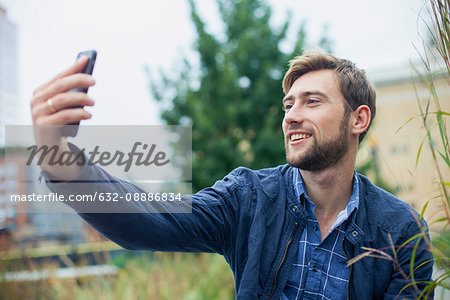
(313, 101)
(287, 107)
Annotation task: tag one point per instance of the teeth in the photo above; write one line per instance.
(299, 136)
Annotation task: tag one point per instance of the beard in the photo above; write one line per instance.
(321, 156)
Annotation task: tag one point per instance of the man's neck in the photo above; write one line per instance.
(330, 190)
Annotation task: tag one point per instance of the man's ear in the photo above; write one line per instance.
(361, 119)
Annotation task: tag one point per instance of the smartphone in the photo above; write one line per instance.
(72, 129)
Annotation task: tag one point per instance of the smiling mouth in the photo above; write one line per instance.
(298, 136)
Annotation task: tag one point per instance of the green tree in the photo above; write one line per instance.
(233, 101)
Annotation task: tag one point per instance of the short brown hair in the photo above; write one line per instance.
(353, 83)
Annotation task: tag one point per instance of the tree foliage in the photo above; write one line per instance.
(232, 96)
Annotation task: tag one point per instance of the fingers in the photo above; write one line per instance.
(58, 103)
(75, 68)
(62, 85)
(65, 116)
(45, 111)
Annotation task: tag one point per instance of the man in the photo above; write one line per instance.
(289, 231)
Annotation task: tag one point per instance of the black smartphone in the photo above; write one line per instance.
(72, 129)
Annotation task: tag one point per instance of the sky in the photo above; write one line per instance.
(128, 35)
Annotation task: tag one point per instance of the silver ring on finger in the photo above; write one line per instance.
(50, 105)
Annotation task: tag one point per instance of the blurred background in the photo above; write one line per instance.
(216, 65)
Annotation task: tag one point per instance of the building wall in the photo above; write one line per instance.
(8, 74)
(12, 181)
(397, 144)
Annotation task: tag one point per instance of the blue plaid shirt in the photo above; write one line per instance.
(320, 271)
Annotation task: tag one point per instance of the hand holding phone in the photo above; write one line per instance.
(50, 109)
(72, 129)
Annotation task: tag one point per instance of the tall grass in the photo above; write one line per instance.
(435, 61)
(159, 276)
(435, 66)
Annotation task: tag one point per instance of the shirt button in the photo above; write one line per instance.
(316, 227)
(294, 208)
(355, 233)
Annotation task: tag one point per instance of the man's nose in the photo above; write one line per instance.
(294, 115)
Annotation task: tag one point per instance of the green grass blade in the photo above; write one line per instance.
(444, 158)
(439, 220)
(418, 152)
(412, 239)
(424, 209)
(413, 261)
(421, 115)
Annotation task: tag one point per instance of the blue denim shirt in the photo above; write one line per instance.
(320, 271)
(253, 219)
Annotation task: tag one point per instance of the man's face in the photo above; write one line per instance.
(315, 124)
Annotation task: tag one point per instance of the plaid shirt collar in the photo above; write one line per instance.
(343, 215)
